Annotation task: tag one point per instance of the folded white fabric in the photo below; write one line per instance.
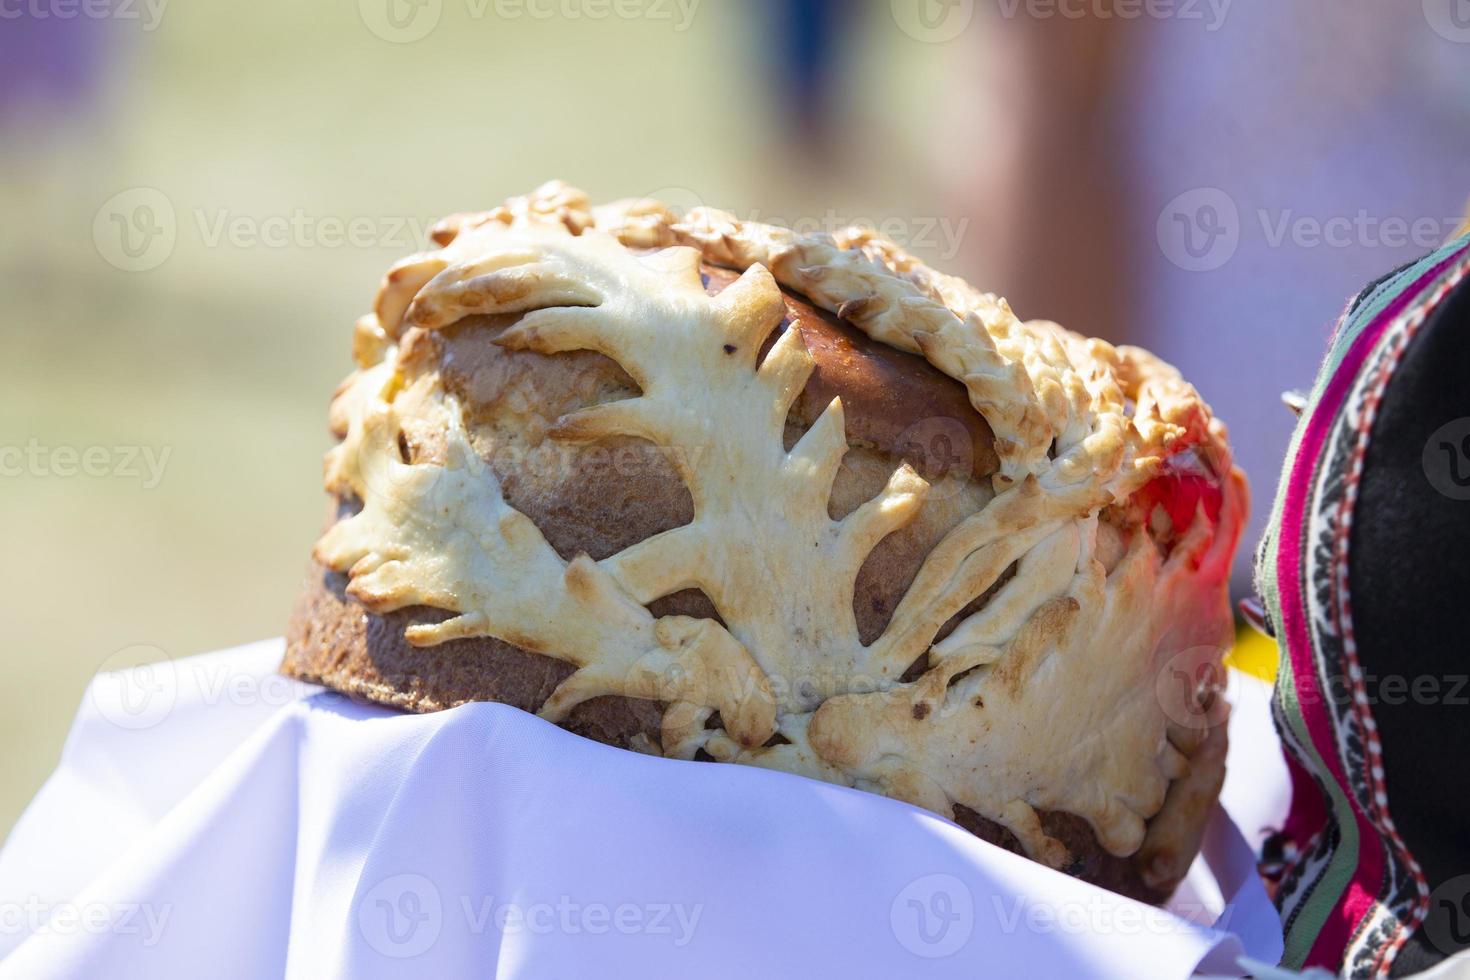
(210, 818)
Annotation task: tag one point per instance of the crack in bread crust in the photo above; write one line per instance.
(1045, 698)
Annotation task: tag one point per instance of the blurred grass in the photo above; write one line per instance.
(225, 355)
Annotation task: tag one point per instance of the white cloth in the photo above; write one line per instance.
(210, 818)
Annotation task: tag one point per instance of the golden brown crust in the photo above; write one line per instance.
(839, 515)
(893, 401)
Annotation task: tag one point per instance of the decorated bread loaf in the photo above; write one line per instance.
(710, 489)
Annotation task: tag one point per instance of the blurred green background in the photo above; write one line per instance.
(285, 121)
(198, 199)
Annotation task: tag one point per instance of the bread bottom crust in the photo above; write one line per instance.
(333, 641)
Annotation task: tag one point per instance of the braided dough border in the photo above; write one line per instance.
(1047, 698)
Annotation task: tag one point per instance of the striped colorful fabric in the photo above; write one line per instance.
(1350, 890)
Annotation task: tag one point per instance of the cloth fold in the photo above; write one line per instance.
(209, 816)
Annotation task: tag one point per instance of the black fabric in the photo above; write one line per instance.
(1410, 574)
(1372, 288)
